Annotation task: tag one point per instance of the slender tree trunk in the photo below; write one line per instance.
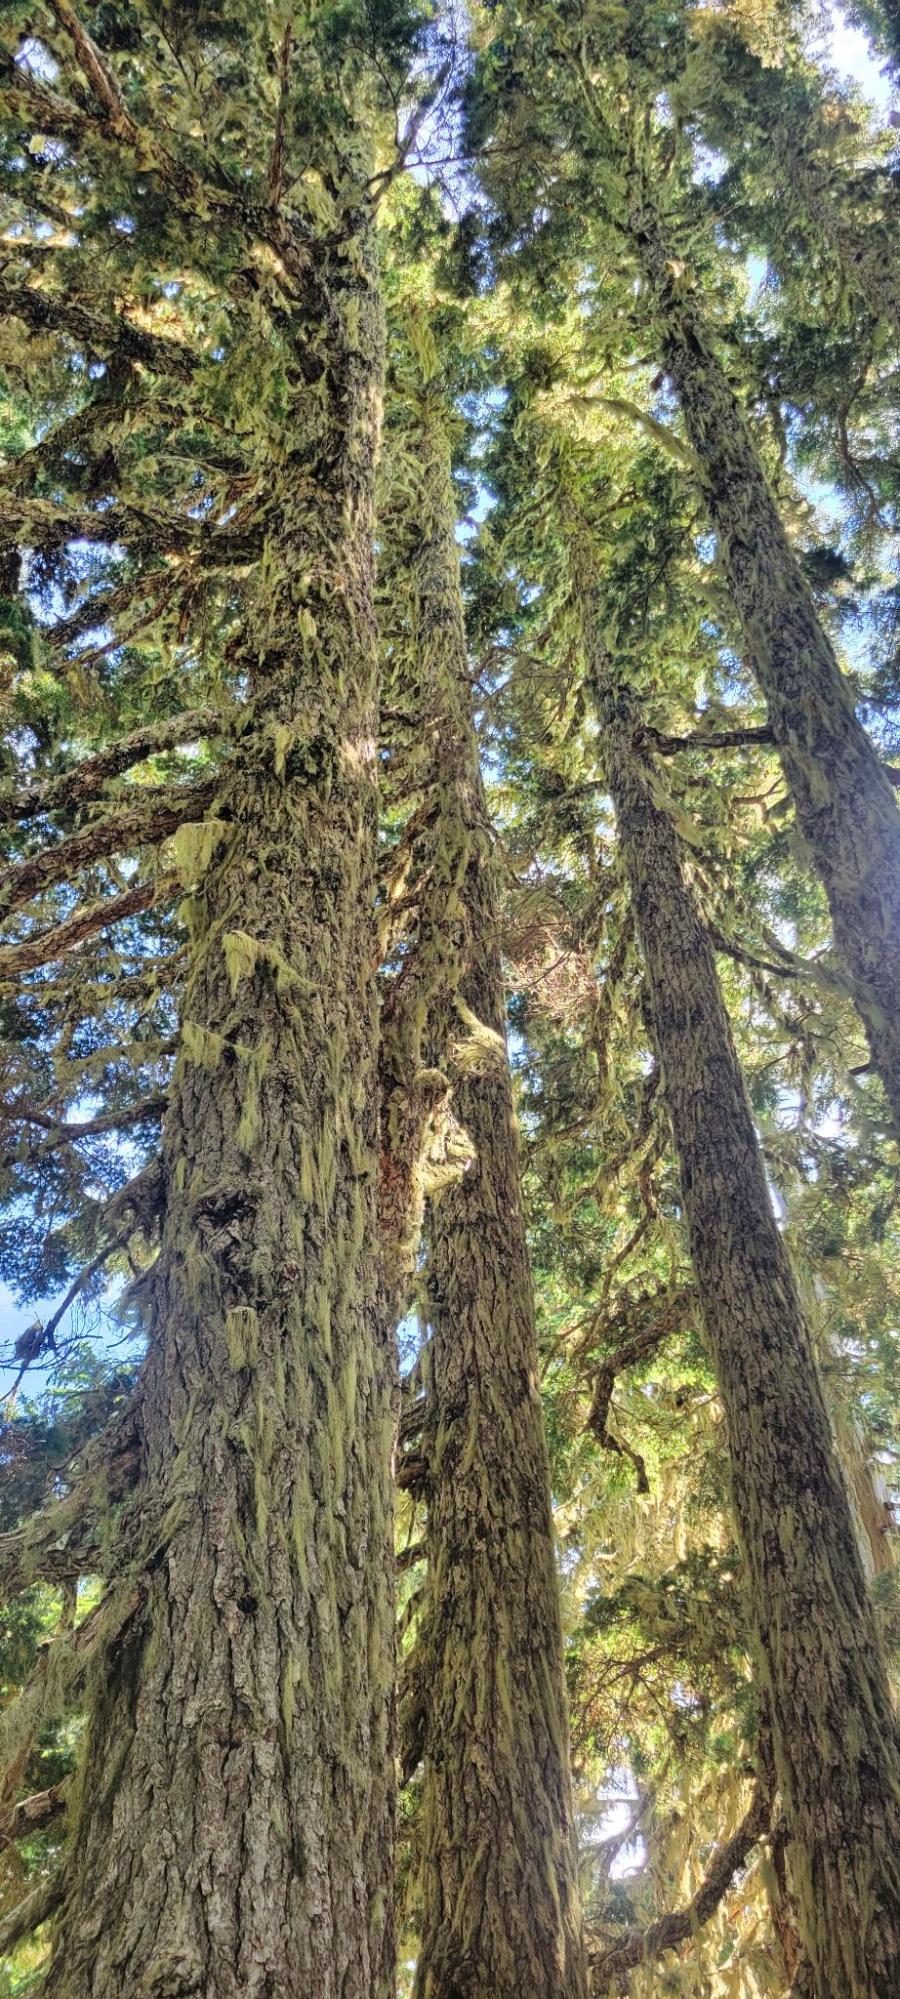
(501, 1914)
(835, 1737)
(232, 1837)
(845, 804)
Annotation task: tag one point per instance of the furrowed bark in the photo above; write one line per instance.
(835, 1734)
(845, 805)
(231, 1822)
(501, 1906)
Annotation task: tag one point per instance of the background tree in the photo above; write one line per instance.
(206, 387)
(484, 1710)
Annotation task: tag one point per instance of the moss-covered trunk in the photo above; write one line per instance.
(232, 1835)
(501, 1907)
(844, 802)
(836, 1747)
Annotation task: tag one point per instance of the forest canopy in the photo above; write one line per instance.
(449, 999)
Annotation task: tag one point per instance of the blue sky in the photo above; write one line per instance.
(851, 56)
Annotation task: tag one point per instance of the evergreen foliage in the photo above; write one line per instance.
(448, 510)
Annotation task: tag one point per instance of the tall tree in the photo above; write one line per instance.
(835, 1734)
(795, 1523)
(500, 1903)
(633, 172)
(230, 1830)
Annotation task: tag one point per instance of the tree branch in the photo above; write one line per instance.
(41, 524)
(102, 82)
(66, 1134)
(85, 780)
(33, 100)
(31, 1815)
(37, 1339)
(29, 1914)
(42, 311)
(94, 612)
(276, 167)
(668, 1313)
(61, 1541)
(153, 818)
(48, 945)
(639, 1946)
(708, 739)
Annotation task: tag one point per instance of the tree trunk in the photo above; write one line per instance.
(232, 1838)
(845, 804)
(835, 1738)
(501, 1915)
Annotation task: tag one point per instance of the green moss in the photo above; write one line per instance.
(193, 847)
(242, 1335)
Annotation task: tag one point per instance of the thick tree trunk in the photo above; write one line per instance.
(845, 804)
(835, 1736)
(501, 1905)
(232, 1838)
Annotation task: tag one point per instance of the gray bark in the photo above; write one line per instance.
(845, 805)
(821, 1668)
(501, 1903)
(232, 1824)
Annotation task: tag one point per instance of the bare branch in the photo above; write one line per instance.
(405, 143)
(80, 1283)
(42, 1338)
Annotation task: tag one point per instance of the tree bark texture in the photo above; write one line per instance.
(501, 1905)
(845, 806)
(232, 1835)
(821, 1667)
